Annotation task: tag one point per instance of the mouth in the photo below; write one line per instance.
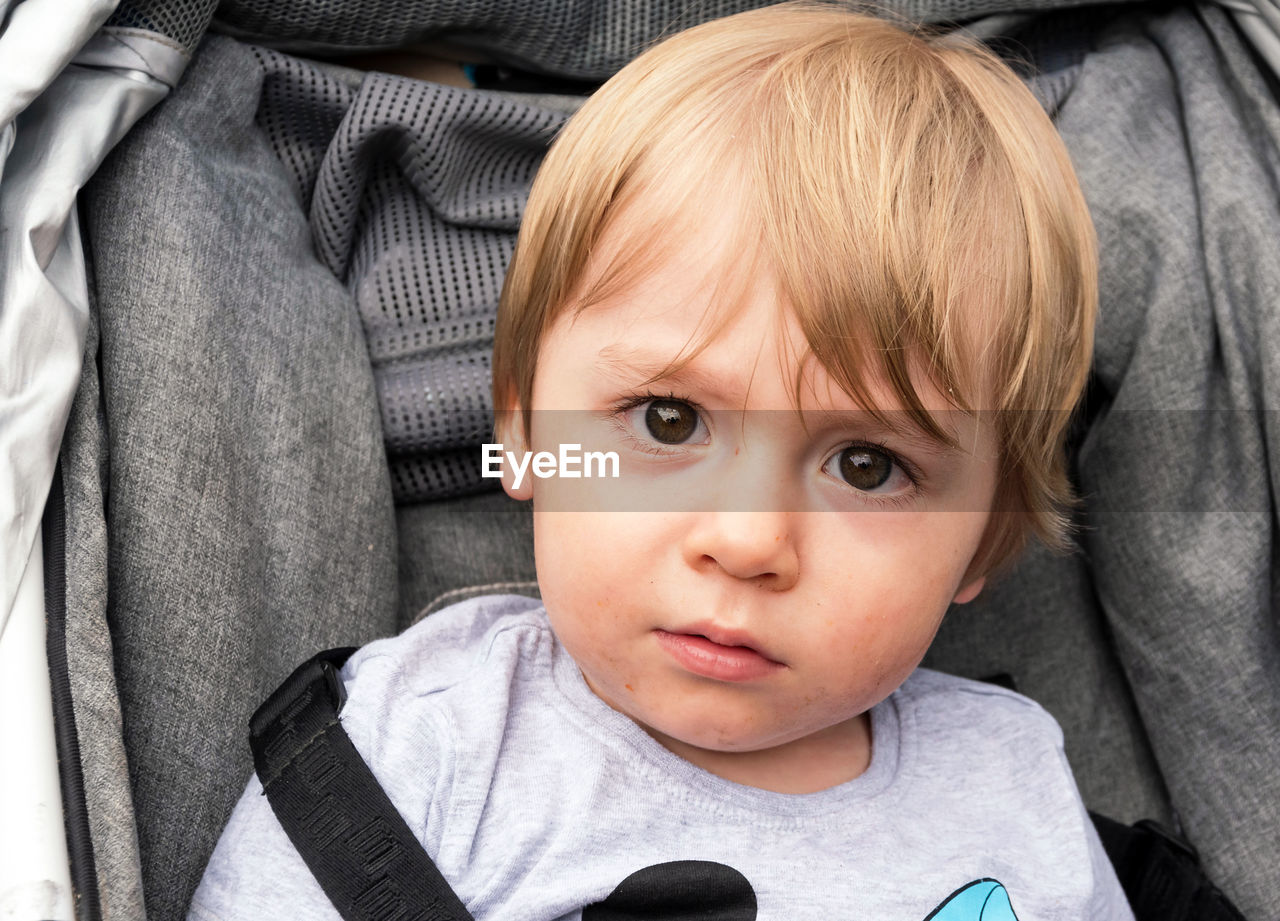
(717, 654)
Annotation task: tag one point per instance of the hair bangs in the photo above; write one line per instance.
(885, 218)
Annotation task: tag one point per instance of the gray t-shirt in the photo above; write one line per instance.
(537, 801)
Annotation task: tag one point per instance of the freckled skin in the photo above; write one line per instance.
(845, 594)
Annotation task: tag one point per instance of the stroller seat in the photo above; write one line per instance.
(293, 269)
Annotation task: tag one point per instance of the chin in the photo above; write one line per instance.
(725, 740)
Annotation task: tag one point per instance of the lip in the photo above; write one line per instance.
(723, 655)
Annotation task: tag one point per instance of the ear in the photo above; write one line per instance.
(969, 591)
(509, 432)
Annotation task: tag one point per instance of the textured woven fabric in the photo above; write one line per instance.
(1176, 136)
(248, 512)
(90, 667)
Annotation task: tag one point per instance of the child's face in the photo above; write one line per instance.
(742, 595)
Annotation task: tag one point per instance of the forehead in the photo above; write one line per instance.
(665, 283)
(711, 321)
(694, 224)
(708, 239)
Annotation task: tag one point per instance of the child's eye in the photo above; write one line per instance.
(672, 422)
(868, 469)
(654, 424)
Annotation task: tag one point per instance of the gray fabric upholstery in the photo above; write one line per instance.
(249, 518)
(90, 665)
(1177, 140)
(451, 548)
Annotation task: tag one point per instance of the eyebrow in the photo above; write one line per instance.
(917, 437)
(632, 362)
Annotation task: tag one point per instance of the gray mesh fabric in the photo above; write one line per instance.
(184, 21)
(581, 39)
(586, 39)
(415, 192)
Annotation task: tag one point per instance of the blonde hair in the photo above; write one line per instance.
(914, 201)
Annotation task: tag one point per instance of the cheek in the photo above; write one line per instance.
(572, 546)
(565, 574)
(877, 652)
(586, 569)
(884, 617)
(913, 560)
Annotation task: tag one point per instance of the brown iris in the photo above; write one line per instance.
(865, 468)
(671, 421)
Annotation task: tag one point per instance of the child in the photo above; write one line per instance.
(825, 288)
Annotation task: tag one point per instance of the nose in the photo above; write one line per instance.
(754, 546)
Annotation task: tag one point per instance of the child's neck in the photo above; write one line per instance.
(806, 765)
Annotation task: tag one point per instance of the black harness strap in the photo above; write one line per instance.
(1161, 874)
(347, 830)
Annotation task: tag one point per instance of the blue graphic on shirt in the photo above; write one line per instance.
(980, 900)
(702, 890)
